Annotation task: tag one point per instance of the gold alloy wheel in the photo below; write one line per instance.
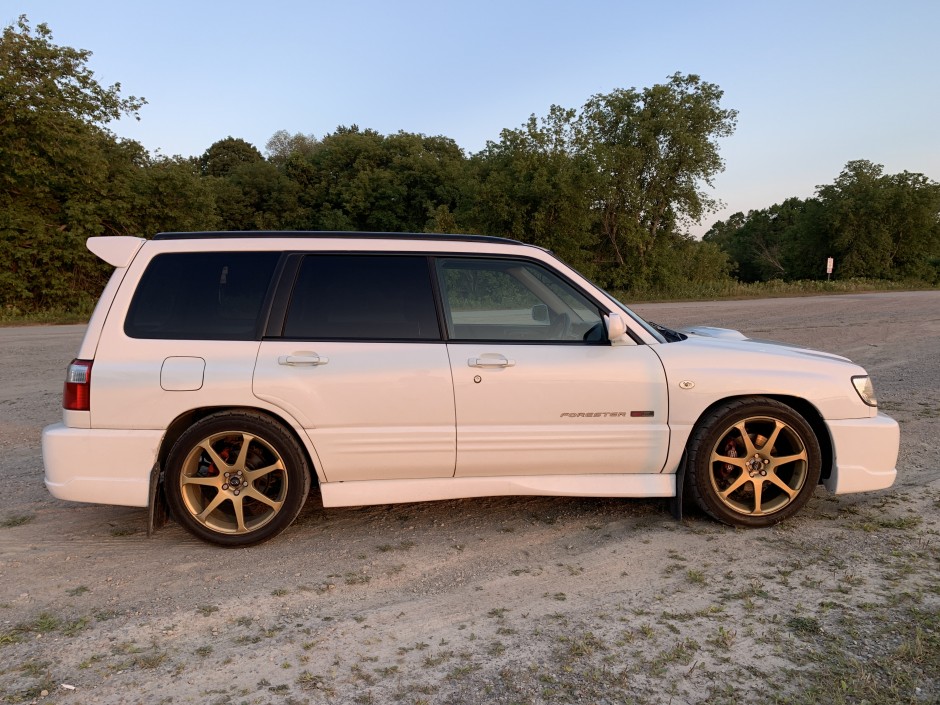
(233, 482)
(758, 466)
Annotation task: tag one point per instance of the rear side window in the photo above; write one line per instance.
(201, 296)
(363, 297)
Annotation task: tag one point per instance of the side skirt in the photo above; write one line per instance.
(359, 492)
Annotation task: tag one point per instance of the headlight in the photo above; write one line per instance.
(865, 390)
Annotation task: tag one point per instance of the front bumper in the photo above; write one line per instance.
(106, 466)
(865, 452)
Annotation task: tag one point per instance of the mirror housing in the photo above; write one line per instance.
(616, 326)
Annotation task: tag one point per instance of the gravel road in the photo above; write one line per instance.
(504, 600)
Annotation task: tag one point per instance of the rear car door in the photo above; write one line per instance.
(538, 387)
(361, 364)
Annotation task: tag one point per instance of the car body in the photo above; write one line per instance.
(227, 372)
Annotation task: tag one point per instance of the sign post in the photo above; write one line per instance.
(829, 262)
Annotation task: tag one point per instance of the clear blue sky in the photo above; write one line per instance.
(816, 84)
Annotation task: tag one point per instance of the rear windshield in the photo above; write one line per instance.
(201, 296)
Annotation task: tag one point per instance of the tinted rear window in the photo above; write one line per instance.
(363, 297)
(201, 296)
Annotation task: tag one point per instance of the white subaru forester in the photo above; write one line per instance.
(222, 373)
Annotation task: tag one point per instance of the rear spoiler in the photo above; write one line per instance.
(116, 250)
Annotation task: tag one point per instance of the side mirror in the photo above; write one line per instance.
(616, 326)
(540, 313)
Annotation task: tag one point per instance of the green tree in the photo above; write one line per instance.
(654, 150)
(877, 225)
(226, 155)
(761, 243)
(357, 179)
(534, 185)
(257, 196)
(283, 145)
(63, 175)
(170, 195)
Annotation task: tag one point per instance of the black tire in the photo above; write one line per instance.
(757, 477)
(236, 479)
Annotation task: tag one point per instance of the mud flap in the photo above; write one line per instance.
(675, 504)
(159, 511)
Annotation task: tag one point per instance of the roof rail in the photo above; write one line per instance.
(241, 234)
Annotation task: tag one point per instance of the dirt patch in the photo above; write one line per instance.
(506, 600)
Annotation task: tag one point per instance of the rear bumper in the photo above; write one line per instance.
(105, 466)
(865, 452)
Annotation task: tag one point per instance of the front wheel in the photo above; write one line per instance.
(753, 462)
(236, 479)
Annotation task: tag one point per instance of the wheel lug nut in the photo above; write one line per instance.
(225, 486)
(236, 493)
(227, 474)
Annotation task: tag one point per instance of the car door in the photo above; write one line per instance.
(538, 387)
(361, 364)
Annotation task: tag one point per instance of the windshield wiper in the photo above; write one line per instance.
(668, 333)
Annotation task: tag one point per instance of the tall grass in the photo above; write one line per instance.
(79, 312)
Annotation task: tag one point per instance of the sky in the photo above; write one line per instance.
(816, 84)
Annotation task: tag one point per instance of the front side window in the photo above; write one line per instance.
(514, 300)
(363, 297)
(201, 296)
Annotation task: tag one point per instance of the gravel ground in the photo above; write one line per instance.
(505, 600)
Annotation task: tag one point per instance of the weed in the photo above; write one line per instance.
(497, 648)
(123, 531)
(16, 520)
(441, 657)
(804, 625)
(900, 523)
(151, 660)
(75, 626)
(724, 638)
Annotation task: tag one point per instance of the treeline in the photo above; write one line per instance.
(611, 187)
(873, 225)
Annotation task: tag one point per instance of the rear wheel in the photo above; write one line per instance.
(753, 462)
(236, 479)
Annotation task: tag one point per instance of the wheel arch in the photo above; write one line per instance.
(182, 422)
(803, 407)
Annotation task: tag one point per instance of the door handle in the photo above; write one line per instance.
(302, 360)
(494, 361)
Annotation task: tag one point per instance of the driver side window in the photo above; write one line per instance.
(514, 301)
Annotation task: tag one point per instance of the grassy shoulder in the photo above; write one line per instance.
(776, 288)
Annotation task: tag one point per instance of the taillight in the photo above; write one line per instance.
(77, 393)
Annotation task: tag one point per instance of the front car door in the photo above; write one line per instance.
(539, 389)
